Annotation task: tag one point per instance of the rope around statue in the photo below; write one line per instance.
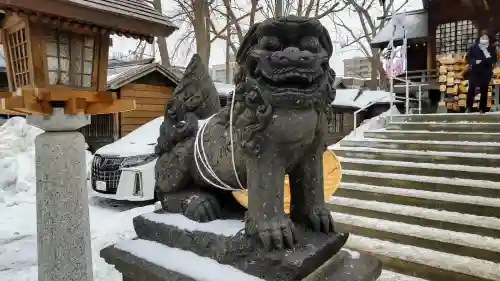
(201, 156)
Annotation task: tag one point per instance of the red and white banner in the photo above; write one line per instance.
(394, 61)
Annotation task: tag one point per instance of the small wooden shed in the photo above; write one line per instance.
(145, 81)
(345, 105)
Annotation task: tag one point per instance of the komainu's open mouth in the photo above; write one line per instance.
(291, 78)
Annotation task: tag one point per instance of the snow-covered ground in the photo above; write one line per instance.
(110, 221)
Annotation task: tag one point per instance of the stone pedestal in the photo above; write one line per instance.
(64, 251)
(170, 247)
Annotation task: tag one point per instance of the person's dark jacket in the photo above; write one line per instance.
(482, 72)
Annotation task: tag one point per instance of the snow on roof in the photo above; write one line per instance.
(368, 97)
(416, 28)
(355, 78)
(224, 89)
(347, 98)
(121, 73)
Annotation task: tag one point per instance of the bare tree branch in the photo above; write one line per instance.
(359, 37)
(205, 21)
(327, 12)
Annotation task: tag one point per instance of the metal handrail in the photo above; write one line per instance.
(394, 98)
(419, 85)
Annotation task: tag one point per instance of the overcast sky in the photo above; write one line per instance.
(217, 55)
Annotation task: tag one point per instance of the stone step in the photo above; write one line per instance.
(436, 184)
(436, 136)
(458, 222)
(487, 127)
(474, 205)
(443, 146)
(436, 157)
(388, 275)
(423, 169)
(425, 263)
(490, 117)
(458, 243)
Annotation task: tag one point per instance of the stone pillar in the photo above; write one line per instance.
(64, 251)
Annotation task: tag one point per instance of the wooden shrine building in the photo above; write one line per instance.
(442, 27)
(148, 83)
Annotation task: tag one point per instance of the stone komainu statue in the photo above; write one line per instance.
(279, 124)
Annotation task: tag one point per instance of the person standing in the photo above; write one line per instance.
(481, 57)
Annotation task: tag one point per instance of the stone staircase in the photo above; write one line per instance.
(423, 195)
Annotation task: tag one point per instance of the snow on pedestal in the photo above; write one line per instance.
(184, 262)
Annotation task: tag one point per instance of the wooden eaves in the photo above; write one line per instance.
(129, 18)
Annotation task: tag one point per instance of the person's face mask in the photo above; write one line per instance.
(484, 41)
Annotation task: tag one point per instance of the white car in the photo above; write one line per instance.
(124, 170)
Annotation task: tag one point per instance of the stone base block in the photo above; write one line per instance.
(178, 246)
(225, 242)
(142, 260)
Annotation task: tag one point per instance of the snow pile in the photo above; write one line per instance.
(110, 223)
(375, 123)
(17, 160)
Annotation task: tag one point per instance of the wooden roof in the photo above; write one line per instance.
(122, 73)
(123, 17)
(416, 23)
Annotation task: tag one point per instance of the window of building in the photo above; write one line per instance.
(455, 37)
(18, 51)
(70, 59)
(220, 74)
(337, 123)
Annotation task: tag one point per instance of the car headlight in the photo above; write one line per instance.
(138, 160)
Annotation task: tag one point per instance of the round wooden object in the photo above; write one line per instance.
(332, 174)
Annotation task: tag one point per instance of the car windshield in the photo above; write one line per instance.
(148, 133)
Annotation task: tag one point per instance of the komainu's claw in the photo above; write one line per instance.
(278, 233)
(202, 208)
(321, 220)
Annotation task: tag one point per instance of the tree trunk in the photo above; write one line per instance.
(200, 31)
(162, 41)
(279, 8)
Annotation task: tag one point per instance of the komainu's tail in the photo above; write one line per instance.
(194, 98)
(197, 91)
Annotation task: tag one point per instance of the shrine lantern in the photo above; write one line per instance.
(56, 52)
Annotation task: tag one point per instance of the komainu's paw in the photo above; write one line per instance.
(202, 208)
(320, 220)
(276, 233)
